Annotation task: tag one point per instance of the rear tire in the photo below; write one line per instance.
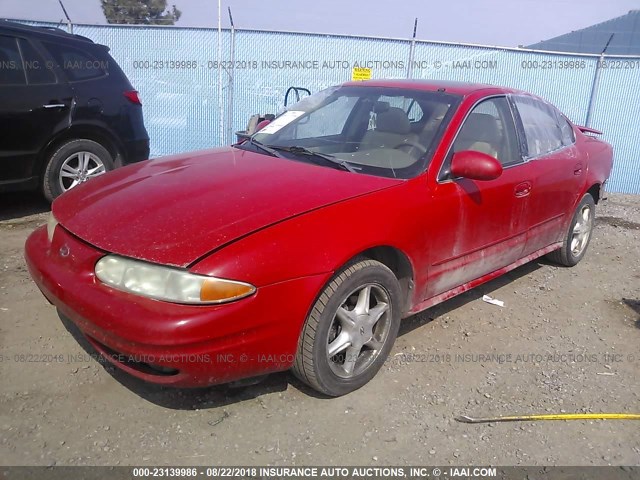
(578, 236)
(350, 329)
(74, 162)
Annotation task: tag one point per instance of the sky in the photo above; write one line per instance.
(489, 22)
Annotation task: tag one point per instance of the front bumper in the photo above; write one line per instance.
(166, 343)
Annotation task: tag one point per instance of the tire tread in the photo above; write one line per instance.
(48, 187)
(304, 367)
(562, 256)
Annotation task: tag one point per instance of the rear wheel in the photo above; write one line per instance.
(350, 330)
(579, 234)
(73, 163)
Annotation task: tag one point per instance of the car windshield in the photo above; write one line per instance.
(383, 131)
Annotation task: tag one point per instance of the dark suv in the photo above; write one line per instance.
(67, 111)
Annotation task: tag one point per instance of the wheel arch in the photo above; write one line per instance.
(82, 132)
(398, 262)
(595, 191)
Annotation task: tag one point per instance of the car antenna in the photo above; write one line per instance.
(69, 22)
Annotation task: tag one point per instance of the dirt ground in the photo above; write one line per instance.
(567, 340)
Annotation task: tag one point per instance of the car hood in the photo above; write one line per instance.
(177, 209)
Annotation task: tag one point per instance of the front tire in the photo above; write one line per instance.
(73, 163)
(579, 234)
(350, 329)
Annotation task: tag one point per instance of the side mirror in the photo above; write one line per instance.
(475, 165)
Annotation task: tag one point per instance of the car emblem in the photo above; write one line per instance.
(64, 251)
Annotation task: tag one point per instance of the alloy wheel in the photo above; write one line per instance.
(78, 168)
(581, 231)
(359, 330)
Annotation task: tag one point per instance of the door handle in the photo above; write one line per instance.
(577, 169)
(523, 189)
(54, 105)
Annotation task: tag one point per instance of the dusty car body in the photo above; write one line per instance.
(304, 247)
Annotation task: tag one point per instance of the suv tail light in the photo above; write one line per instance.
(133, 97)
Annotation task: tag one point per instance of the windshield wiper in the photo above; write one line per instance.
(271, 151)
(330, 159)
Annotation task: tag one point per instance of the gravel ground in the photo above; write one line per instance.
(567, 340)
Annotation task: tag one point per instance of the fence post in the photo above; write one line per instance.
(596, 81)
(412, 50)
(220, 105)
(69, 22)
(231, 81)
(594, 91)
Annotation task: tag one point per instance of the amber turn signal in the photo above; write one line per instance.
(217, 290)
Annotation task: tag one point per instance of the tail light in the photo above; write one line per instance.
(133, 97)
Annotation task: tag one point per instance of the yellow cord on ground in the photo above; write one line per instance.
(561, 416)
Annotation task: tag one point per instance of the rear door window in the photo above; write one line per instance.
(38, 71)
(566, 130)
(541, 127)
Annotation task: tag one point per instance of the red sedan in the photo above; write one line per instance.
(303, 247)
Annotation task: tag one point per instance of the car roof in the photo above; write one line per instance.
(42, 32)
(448, 86)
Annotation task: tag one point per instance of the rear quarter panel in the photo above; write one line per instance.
(599, 158)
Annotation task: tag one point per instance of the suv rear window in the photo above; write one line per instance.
(77, 65)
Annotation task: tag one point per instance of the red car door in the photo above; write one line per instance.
(479, 227)
(557, 168)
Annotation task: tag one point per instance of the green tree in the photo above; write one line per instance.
(142, 12)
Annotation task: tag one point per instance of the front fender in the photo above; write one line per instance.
(323, 240)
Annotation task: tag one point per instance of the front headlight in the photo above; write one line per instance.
(167, 283)
(51, 225)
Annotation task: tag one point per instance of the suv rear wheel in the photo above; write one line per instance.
(74, 162)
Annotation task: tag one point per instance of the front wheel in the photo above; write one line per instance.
(73, 163)
(579, 234)
(350, 329)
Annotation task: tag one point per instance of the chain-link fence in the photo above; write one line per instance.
(176, 71)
